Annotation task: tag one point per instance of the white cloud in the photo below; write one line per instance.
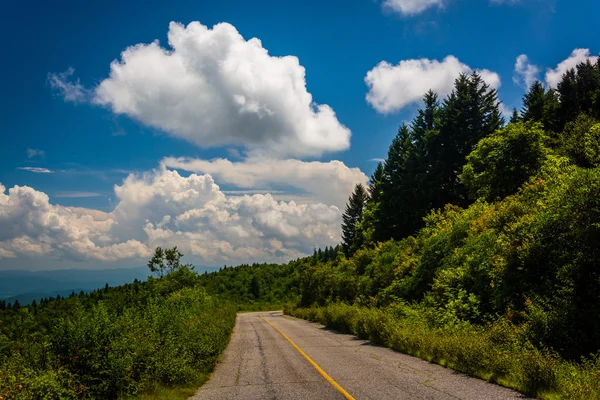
(212, 87)
(32, 227)
(163, 208)
(411, 7)
(37, 170)
(554, 76)
(66, 88)
(34, 153)
(526, 73)
(378, 160)
(326, 182)
(393, 87)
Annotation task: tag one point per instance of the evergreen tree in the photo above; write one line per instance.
(569, 104)
(375, 184)
(515, 116)
(541, 106)
(351, 218)
(588, 83)
(470, 113)
(255, 287)
(398, 188)
(534, 102)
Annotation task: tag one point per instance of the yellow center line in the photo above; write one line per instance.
(310, 360)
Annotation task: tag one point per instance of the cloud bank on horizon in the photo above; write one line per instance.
(163, 208)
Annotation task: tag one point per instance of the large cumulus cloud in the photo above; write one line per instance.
(212, 87)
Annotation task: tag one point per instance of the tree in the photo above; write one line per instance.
(398, 191)
(173, 259)
(470, 113)
(255, 287)
(569, 104)
(580, 141)
(515, 116)
(533, 103)
(351, 218)
(502, 162)
(541, 106)
(157, 263)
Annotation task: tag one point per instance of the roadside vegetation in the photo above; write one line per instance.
(477, 243)
(150, 339)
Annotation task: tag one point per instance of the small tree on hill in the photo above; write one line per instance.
(166, 261)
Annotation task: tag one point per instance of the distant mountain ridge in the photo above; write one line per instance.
(28, 285)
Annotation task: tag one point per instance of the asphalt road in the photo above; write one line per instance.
(261, 363)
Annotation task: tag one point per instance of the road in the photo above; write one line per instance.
(261, 363)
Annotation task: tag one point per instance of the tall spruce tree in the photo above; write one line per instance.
(351, 218)
(515, 117)
(569, 104)
(533, 103)
(398, 187)
(542, 106)
(469, 113)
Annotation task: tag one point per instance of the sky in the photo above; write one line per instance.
(235, 130)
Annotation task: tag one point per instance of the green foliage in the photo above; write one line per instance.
(502, 162)
(581, 141)
(115, 342)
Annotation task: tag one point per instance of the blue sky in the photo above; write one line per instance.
(94, 143)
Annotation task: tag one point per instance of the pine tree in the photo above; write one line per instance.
(569, 104)
(515, 116)
(542, 106)
(398, 188)
(351, 218)
(588, 83)
(375, 184)
(470, 113)
(533, 103)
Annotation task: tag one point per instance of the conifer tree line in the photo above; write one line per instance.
(448, 153)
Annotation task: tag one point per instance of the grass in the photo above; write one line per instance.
(497, 353)
(174, 392)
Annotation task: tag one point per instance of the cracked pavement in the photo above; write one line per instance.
(260, 363)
